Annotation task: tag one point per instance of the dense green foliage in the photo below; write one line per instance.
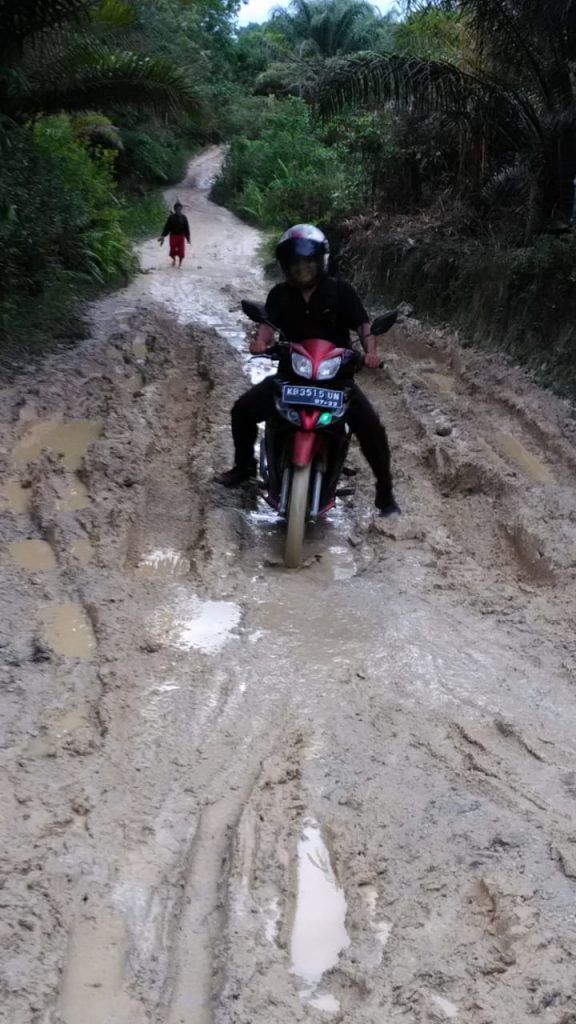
(100, 100)
(498, 82)
(288, 174)
(60, 227)
(439, 143)
(454, 132)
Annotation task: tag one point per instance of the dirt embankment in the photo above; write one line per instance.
(515, 300)
(236, 795)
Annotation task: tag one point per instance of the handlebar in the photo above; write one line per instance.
(274, 352)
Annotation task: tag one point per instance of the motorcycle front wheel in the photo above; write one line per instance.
(296, 516)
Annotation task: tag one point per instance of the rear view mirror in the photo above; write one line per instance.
(254, 310)
(384, 322)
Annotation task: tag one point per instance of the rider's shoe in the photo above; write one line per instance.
(385, 502)
(237, 475)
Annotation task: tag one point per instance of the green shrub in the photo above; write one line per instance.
(287, 174)
(143, 216)
(60, 222)
(81, 209)
(152, 154)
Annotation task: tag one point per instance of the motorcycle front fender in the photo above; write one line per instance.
(304, 446)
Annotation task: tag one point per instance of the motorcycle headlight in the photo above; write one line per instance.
(301, 365)
(329, 368)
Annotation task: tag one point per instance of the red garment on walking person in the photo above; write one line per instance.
(177, 246)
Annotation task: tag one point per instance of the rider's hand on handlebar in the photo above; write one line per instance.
(258, 346)
(371, 360)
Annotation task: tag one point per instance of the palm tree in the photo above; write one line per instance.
(514, 108)
(328, 28)
(303, 37)
(59, 55)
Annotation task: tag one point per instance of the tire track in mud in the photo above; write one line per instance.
(197, 984)
(409, 693)
(173, 508)
(499, 513)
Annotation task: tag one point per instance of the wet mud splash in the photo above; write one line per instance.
(240, 796)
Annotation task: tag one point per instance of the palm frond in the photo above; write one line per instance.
(23, 19)
(294, 76)
(522, 37)
(115, 14)
(514, 180)
(422, 87)
(90, 76)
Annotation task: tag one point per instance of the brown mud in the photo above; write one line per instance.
(238, 795)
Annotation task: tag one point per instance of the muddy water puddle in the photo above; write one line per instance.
(339, 561)
(326, 550)
(442, 382)
(164, 562)
(68, 630)
(62, 722)
(139, 348)
(319, 931)
(93, 989)
(193, 624)
(15, 497)
(35, 555)
(400, 640)
(511, 448)
(70, 440)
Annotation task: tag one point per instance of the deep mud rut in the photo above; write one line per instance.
(237, 795)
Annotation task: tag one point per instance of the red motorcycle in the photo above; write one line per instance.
(306, 443)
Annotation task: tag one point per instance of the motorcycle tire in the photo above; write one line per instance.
(296, 517)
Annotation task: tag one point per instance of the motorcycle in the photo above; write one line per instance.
(305, 444)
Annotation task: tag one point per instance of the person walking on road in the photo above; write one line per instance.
(178, 229)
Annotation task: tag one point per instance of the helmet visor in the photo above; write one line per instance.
(306, 247)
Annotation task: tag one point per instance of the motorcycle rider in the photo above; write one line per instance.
(310, 304)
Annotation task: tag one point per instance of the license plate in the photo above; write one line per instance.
(320, 398)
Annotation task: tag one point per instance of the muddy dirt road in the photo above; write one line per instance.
(237, 795)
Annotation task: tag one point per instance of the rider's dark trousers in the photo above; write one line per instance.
(257, 405)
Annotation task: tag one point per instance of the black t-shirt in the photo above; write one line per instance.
(177, 224)
(333, 311)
